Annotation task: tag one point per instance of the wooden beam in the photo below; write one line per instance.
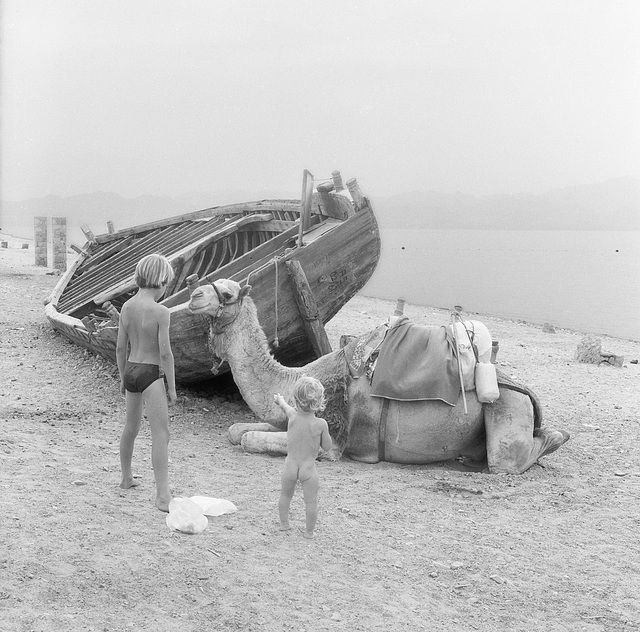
(308, 309)
(305, 204)
(79, 250)
(88, 233)
(356, 194)
(182, 256)
(266, 206)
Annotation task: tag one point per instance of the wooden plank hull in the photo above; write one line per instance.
(338, 256)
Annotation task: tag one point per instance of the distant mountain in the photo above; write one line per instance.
(95, 209)
(610, 205)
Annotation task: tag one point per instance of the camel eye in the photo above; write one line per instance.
(226, 295)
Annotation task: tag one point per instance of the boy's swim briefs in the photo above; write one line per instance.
(138, 377)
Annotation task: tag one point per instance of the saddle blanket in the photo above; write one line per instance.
(417, 362)
(359, 354)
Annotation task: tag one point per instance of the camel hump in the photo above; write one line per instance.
(504, 381)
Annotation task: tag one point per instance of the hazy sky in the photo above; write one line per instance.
(171, 96)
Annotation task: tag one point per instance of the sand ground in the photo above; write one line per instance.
(399, 548)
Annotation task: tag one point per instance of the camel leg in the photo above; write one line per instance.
(237, 430)
(265, 442)
(512, 445)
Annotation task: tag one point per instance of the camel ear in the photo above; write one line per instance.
(244, 291)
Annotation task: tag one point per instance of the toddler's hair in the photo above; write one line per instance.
(153, 271)
(308, 394)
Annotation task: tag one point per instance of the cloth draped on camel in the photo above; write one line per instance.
(417, 362)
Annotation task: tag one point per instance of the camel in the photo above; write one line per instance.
(505, 435)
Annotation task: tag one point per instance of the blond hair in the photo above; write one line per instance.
(308, 394)
(153, 271)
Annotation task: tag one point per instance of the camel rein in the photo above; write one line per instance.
(220, 321)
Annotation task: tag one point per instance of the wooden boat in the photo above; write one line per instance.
(304, 260)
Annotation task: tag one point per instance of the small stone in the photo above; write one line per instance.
(336, 616)
(79, 482)
(548, 328)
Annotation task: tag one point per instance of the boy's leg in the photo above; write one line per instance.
(289, 480)
(132, 423)
(310, 488)
(155, 401)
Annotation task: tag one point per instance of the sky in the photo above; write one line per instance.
(162, 97)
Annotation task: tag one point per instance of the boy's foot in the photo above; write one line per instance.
(285, 527)
(308, 535)
(127, 483)
(163, 505)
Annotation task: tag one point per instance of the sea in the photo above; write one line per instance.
(587, 281)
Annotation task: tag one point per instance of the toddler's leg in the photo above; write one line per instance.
(310, 488)
(130, 432)
(155, 400)
(289, 480)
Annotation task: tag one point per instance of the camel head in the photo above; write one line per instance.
(210, 299)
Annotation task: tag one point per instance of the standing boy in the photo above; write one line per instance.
(145, 326)
(306, 434)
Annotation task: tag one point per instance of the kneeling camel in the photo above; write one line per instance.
(366, 428)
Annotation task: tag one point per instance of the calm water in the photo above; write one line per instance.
(582, 280)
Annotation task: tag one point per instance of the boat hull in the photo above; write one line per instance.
(337, 258)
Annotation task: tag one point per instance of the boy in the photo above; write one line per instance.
(145, 326)
(306, 433)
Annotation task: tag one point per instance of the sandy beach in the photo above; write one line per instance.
(398, 547)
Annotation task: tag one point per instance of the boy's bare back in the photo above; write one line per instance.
(143, 320)
(304, 436)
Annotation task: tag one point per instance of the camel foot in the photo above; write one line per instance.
(551, 440)
(334, 454)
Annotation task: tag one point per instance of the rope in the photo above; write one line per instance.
(455, 338)
(276, 342)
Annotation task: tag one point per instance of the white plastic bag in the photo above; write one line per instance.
(214, 506)
(186, 516)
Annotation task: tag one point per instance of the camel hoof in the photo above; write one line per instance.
(551, 439)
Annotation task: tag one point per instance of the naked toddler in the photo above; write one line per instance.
(306, 434)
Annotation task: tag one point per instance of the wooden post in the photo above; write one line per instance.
(308, 309)
(88, 233)
(356, 194)
(40, 234)
(337, 181)
(59, 234)
(495, 346)
(112, 312)
(305, 204)
(192, 283)
(110, 227)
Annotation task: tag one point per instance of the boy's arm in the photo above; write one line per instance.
(121, 352)
(282, 402)
(166, 355)
(325, 440)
